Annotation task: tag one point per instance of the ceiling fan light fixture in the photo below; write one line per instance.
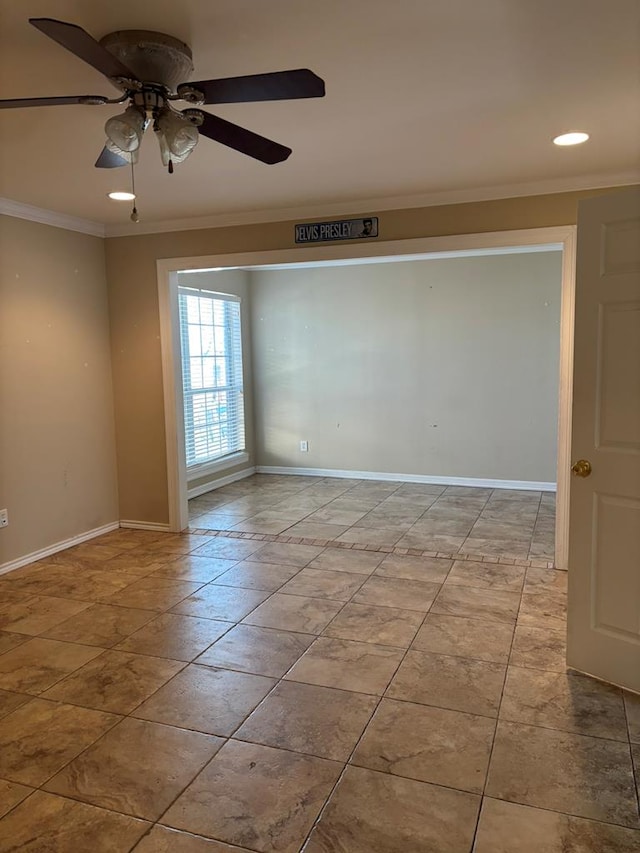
(177, 136)
(125, 131)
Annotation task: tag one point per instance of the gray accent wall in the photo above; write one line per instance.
(443, 367)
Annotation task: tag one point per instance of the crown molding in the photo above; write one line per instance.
(17, 209)
(375, 205)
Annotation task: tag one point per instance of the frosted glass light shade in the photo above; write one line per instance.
(125, 131)
(177, 137)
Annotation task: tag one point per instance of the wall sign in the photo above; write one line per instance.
(337, 229)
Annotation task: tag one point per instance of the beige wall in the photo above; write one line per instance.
(57, 450)
(434, 367)
(131, 273)
(237, 283)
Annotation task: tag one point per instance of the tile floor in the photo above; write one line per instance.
(206, 693)
(451, 520)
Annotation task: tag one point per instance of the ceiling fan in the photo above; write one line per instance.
(149, 68)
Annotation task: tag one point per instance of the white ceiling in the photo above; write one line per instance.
(437, 97)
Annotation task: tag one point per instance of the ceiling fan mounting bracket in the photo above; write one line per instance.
(153, 57)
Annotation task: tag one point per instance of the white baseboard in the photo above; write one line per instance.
(58, 546)
(145, 525)
(473, 482)
(221, 481)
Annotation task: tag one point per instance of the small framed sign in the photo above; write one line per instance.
(337, 229)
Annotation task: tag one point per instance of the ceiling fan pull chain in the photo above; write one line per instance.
(170, 167)
(134, 212)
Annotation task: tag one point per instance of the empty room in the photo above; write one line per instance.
(319, 427)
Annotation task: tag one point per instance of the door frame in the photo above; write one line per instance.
(459, 245)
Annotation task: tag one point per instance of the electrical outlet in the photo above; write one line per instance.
(4, 517)
(304, 446)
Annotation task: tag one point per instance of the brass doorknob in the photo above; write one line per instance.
(581, 468)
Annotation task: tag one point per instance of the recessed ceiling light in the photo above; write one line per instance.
(121, 196)
(574, 138)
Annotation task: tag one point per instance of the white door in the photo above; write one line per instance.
(604, 527)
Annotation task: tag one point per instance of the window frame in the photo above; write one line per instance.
(234, 363)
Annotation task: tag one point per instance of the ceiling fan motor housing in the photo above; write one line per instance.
(153, 57)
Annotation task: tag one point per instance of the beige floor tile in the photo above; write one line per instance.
(11, 793)
(388, 626)
(115, 681)
(486, 576)
(294, 613)
(464, 637)
(9, 701)
(164, 840)
(429, 744)
(214, 701)
(306, 718)
(342, 560)
(285, 554)
(584, 776)
(372, 536)
(137, 768)
(507, 827)
(176, 637)
(490, 547)
(48, 824)
(79, 580)
(397, 592)
(632, 707)
(503, 530)
(11, 641)
(266, 576)
(430, 569)
(178, 543)
(39, 738)
(194, 569)
(362, 667)
(37, 664)
(566, 701)
(262, 651)
(317, 530)
(469, 493)
(459, 684)
(322, 583)
(102, 625)
(235, 799)
(37, 613)
(338, 515)
(539, 648)
(372, 811)
(437, 526)
(137, 563)
(543, 610)
(493, 605)
(544, 580)
(390, 517)
(226, 603)
(153, 593)
(445, 543)
(228, 549)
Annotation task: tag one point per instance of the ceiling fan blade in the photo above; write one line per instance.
(52, 102)
(276, 86)
(244, 141)
(109, 160)
(84, 46)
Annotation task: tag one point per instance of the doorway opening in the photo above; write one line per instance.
(437, 347)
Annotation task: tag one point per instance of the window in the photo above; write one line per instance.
(211, 344)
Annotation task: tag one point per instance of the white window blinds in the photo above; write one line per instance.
(211, 344)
